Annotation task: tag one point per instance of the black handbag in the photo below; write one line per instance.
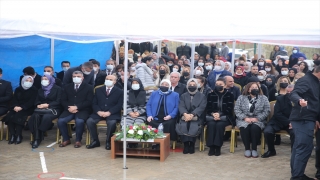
(45, 111)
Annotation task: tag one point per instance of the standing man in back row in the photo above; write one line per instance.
(87, 70)
(304, 114)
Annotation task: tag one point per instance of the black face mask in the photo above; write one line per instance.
(240, 65)
(268, 83)
(185, 74)
(283, 85)
(162, 72)
(218, 88)
(164, 88)
(192, 88)
(254, 92)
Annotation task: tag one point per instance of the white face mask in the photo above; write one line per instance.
(260, 78)
(27, 84)
(65, 69)
(261, 63)
(86, 73)
(95, 69)
(119, 73)
(174, 70)
(181, 69)
(108, 83)
(77, 80)
(133, 68)
(295, 51)
(217, 68)
(239, 74)
(236, 63)
(208, 68)
(199, 86)
(201, 64)
(284, 73)
(169, 64)
(109, 67)
(198, 72)
(268, 69)
(135, 86)
(45, 82)
(47, 73)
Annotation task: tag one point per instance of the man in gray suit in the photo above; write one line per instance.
(224, 50)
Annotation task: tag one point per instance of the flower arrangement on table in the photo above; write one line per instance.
(139, 132)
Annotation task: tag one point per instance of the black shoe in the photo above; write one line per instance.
(317, 174)
(304, 177)
(278, 140)
(36, 143)
(108, 146)
(268, 154)
(218, 151)
(19, 139)
(186, 148)
(212, 151)
(191, 148)
(93, 144)
(12, 139)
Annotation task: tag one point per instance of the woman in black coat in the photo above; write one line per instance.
(220, 104)
(270, 83)
(192, 105)
(22, 106)
(48, 97)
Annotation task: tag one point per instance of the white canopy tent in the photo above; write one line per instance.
(294, 23)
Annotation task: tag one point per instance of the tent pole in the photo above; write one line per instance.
(193, 50)
(254, 48)
(233, 56)
(259, 51)
(125, 89)
(159, 48)
(52, 53)
(117, 51)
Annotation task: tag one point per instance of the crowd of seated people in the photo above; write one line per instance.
(161, 90)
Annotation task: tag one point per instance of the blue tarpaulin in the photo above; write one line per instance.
(18, 53)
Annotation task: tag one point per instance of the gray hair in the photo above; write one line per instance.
(88, 65)
(175, 73)
(77, 72)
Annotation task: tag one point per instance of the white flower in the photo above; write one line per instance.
(131, 131)
(134, 127)
(140, 132)
(148, 129)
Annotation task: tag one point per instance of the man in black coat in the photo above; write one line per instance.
(107, 105)
(65, 65)
(99, 76)
(303, 117)
(76, 101)
(279, 121)
(202, 50)
(146, 46)
(36, 77)
(214, 50)
(183, 50)
(5, 95)
(176, 86)
(87, 70)
(49, 71)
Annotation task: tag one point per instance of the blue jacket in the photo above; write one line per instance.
(171, 104)
(212, 78)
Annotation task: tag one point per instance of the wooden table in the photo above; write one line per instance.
(163, 153)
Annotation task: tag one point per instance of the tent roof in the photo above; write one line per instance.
(268, 22)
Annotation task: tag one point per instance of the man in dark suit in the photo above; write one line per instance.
(5, 94)
(176, 86)
(76, 101)
(110, 67)
(279, 121)
(36, 77)
(99, 76)
(234, 90)
(107, 105)
(49, 71)
(65, 65)
(87, 70)
(146, 46)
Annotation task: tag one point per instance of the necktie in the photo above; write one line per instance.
(77, 87)
(108, 92)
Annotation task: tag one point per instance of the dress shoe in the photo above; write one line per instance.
(218, 151)
(318, 174)
(19, 139)
(77, 144)
(36, 143)
(93, 144)
(269, 154)
(12, 139)
(65, 143)
(304, 177)
(212, 151)
(108, 146)
(186, 148)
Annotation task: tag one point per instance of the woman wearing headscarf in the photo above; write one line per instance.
(217, 72)
(247, 67)
(251, 109)
(229, 58)
(296, 54)
(228, 67)
(220, 105)
(261, 64)
(270, 83)
(22, 106)
(48, 97)
(185, 75)
(292, 74)
(240, 76)
(192, 105)
(262, 74)
(162, 107)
